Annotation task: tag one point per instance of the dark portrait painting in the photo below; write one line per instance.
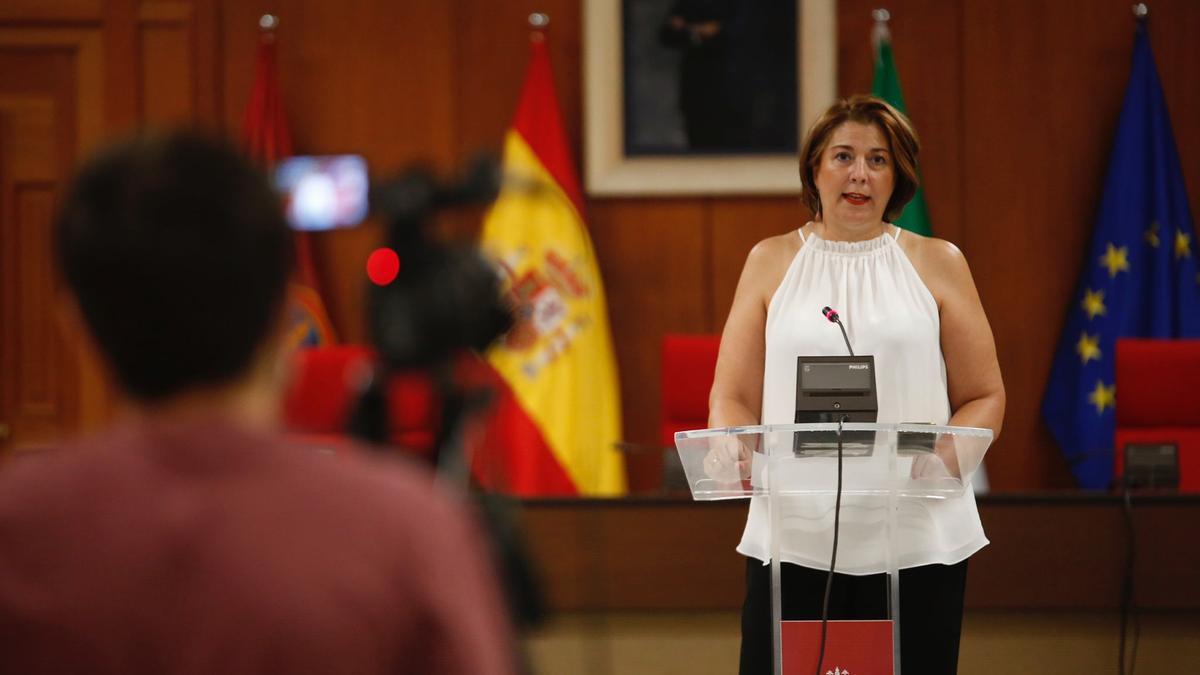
(714, 77)
(702, 96)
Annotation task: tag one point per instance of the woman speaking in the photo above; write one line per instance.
(908, 300)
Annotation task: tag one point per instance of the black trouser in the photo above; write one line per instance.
(931, 610)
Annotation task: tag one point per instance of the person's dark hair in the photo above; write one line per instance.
(902, 142)
(178, 254)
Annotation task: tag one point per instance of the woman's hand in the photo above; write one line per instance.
(728, 459)
(941, 463)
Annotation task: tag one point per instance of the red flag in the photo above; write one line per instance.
(266, 137)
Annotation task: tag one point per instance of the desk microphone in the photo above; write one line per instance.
(831, 314)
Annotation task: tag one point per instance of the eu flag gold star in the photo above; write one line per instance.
(1152, 235)
(1103, 397)
(1093, 303)
(1183, 245)
(1088, 347)
(1116, 259)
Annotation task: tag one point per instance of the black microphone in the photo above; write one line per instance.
(831, 314)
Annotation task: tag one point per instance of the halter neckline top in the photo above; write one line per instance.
(889, 313)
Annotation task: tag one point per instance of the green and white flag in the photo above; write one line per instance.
(886, 86)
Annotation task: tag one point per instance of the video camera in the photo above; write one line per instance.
(445, 299)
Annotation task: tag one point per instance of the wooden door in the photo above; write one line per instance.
(50, 111)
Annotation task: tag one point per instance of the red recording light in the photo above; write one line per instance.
(382, 266)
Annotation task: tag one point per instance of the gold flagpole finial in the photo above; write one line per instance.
(268, 22)
(1141, 11)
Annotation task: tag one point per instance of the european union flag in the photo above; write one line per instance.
(1140, 279)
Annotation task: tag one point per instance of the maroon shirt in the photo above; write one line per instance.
(202, 548)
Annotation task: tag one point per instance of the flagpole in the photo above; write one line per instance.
(880, 33)
(538, 23)
(267, 23)
(267, 140)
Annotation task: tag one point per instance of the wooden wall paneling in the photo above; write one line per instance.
(376, 80)
(41, 372)
(1088, 552)
(122, 66)
(612, 557)
(51, 99)
(927, 45)
(168, 77)
(82, 93)
(856, 60)
(61, 11)
(207, 42)
(1035, 260)
(238, 28)
(1173, 530)
(1049, 552)
(8, 302)
(572, 537)
(652, 258)
(94, 392)
(648, 583)
(177, 47)
(1174, 25)
(736, 226)
(36, 398)
(492, 52)
(1008, 44)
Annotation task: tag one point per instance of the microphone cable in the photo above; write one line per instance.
(1128, 609)
(837, 513)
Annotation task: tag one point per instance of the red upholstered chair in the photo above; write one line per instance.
(1158, 401)
(323, 390)
(688, 364)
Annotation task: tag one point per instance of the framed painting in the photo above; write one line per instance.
(703, 96)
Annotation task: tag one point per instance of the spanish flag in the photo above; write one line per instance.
(556, 426)
(267, 140)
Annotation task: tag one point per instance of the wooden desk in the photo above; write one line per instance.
(1049, 551)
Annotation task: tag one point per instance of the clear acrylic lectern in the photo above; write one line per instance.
(890, 473)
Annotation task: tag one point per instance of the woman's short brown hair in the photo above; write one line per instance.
(902, 142)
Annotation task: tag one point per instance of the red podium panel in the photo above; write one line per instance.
(851, 647)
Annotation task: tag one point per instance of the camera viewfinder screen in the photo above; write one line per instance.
(325, 192)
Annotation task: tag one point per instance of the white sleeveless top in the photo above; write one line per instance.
(888, 312)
